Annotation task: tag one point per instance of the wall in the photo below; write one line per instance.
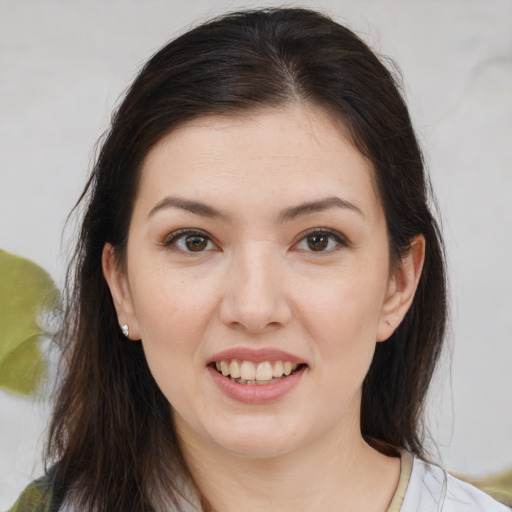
(63, 66)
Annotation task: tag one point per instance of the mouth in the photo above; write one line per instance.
(250, 373)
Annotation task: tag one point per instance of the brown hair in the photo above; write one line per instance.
(112, 431)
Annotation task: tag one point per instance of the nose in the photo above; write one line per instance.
(254, 297)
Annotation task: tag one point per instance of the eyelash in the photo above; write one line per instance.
(182, 234)
(332, 237)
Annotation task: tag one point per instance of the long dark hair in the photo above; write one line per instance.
(112, 431)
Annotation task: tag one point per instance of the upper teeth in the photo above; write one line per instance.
(247, 370)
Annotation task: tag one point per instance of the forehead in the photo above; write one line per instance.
(299, 150)
(298, 124)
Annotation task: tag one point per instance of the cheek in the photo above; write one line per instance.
(173, 314)
(172, 308)
(342, 314)
(172, 317)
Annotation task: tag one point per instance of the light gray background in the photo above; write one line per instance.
(63, 66)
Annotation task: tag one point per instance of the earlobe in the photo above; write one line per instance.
(119, 289)
(401, 288)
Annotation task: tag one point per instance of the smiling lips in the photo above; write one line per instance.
(249, 373)
(256, 376)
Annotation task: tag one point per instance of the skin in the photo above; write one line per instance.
(257, 283)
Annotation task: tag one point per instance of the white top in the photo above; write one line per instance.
(425, 487)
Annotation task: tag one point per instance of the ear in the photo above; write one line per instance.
(401, 288)
(118, 284)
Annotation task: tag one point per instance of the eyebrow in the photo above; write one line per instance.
(204, 210)
(318, 206)
(195, 207)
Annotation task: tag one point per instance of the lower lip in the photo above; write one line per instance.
(256, 394)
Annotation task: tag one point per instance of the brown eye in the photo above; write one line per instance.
(188, 241)
(196, 243)
(318, 242)
(321, 241)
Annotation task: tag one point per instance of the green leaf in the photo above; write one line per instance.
(26, 291)
(498, 486)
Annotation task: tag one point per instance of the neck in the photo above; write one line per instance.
(335, 473)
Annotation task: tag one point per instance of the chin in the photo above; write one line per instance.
(257, 440)
(256, 447)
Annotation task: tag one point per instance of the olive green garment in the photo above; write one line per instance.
(37, 497)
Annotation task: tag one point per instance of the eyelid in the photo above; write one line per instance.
(174, 236)
(340, 239)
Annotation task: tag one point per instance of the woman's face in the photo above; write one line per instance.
(257, 277)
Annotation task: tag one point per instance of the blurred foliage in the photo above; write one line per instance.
(497, 486)
(26, 293)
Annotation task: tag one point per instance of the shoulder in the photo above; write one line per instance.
(431, 488)
(38, 496)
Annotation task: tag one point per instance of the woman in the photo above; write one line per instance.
(258, 300)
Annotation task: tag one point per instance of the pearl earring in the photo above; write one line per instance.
(125, 330)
